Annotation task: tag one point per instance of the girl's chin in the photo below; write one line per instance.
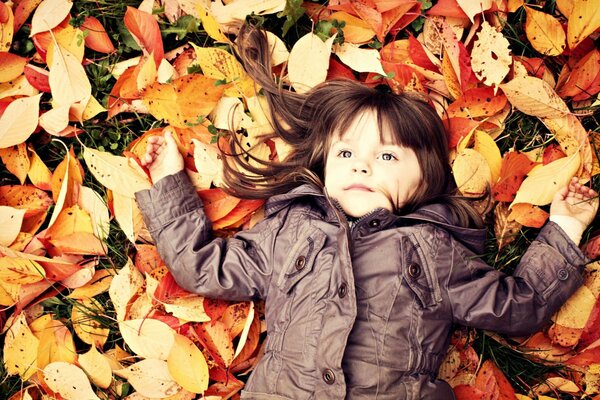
(357, 209)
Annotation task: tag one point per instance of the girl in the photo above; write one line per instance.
(365, 257)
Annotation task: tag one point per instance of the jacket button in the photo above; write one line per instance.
(563, 274)
(414, 270)
(343, 290)
(328, 376)
(300, 263)
(374, 223)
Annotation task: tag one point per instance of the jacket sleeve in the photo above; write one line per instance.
(237, 268)
(548, 273)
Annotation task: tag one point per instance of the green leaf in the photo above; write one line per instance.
(292, 12)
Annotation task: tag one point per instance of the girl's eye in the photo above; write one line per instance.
(345, 154)
(388, 157)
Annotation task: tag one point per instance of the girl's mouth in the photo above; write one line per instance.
(357, 186)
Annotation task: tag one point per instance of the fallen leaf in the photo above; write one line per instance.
(49, 14)
(11, 219)
(20, 349)
(84, 316)
(490, 57)
(215, 337)
(69, 381)
(19, 120)
(97, 39)
(492, 381)
(359, 59)
(146, 32)
(505, 229)
(148, 338)
(56, 344)
(545, 33)
(583, 21)
(150, 378)
(471, 172)
(39, 174)
(97, 367)
(183, 355)
(583, 81)
(90, 201)
(217, 203)
(99, 283)
(20, 270)
(11, 66)
(528, 215)
(534, 97)
(189, 309)
(356, 30)
(123, 287)
(309, 61)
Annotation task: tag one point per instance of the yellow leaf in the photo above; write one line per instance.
(49, 14)
(234, 13)
(92, 108)
(544, 181)
(514, 5)
(67, 78)
(19, 120)
(487, 147)
(9, 293)
(471, 172)
(6, 28)
(210, 25)
(89, 330)
(147, 73)
(69, 381)
(534, 97)
(17, 87)
(183, 102)
(208, 164)
(309, 62)
(10, 219)
(70, 39)
(115, 172)
(20, 349)
(490, 57)
(63, 185)
(149, 338)
(245, 330)
(20, 270)
(56, 344)
(56, 120)
(16, 160)
(99, 283)
(359, 59)
(577, 309)
(123, 210)
(356, 30)
(565, 7)
(151, 378)
(219, 64)
(97, 367)
(123, 287)
(38, 173)
(544, 32)
(189, 308)
(474, 7)
(183, 355)
(90, 201)
(583, 21)
(73, 233)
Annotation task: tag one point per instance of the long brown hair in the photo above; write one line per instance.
(307, 121)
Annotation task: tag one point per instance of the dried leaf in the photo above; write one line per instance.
(148, 338)
(577, 310)
(309, 61)
(6, 27)
(217, 203)
(583, 21)
(68, 80)
(11, 220)
(493, 382)
(49, 14)
(544, 181)
(20, 270)
(534, 97)
(490, 57)
(90, 201)
(123, 287)
(360, 60)
(19, 120)
(146, 32)
(69, 381)
(471, 172)
(183, 355)
(99, 283)
(20, 349)
(505, 229)
(11, 66)
(473, 8)
(97, 367)
(544, 32)
(86, 326)
(215, 337)
(97, 39)
(356, 30)
(528, 215)
(56, 344)
(150, 378)
(515, 167)
(38, 173)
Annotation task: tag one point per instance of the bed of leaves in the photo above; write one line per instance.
(88, 308)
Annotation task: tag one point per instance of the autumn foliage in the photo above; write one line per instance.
(519, 103)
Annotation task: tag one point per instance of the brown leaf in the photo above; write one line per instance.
(505, 229)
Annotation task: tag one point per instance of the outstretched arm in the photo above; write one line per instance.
(573, 208)
(162, 157)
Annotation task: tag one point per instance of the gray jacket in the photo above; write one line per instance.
(363, 311)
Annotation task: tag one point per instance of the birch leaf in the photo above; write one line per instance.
(490, 57)
(544, 32)
(49, 14)
(11, 220)
(97, 367)
(114, 172)
(148, 338)
(534, 97)
(471, 172)
(19, 120)
(583, 21)
(20, 349)
(187, 365)
(360, 60)
(151, 378)
(69, 381)
(123, 287)
(544, 181)
(309, 61)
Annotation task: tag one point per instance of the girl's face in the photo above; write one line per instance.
(362, 173)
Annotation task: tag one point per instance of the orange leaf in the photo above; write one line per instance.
(583, 21)
(37, 77)
(491, 380)
(73, 233)
(38, 173)
(19, 120)
(366, 11)
(466, 392)
(16, 160)
(583, 81)
(11, 66)
(97, 39)
(27, 197)
(146, 32)
(447, 8)
(528, 215)
(551, 153)
(56, 344)
(65, 266)
(477, 102)
(6, 27)
(544, 32)
(74, 179)
(356, 30)
(238, 215)
(515, 166)
(147, 258)
(22, 11)
(458, 128)
(215, 337)
(217, 203)
(184, 101)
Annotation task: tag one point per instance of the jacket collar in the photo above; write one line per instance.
(438, 214)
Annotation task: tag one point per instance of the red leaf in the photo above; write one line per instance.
(419, 56)
(116, 103)
(217, 203)
(37, 77)
(215, 308)
(551, 153)
(458, 128)
(592, 247)
(534, 66)
(97, 39)
(491, 380)
(447, 8)
(515, 166)
(169, 289)
(56, 271)
(583, 81)
(338, 70)
(466, 392)
(458, 55)
(145, 31)
(22, 11)
(586, 357)
(407, 13)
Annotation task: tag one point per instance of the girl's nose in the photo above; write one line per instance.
(360, 167)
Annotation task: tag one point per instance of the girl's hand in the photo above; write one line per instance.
(162, 156)
(576, 201)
